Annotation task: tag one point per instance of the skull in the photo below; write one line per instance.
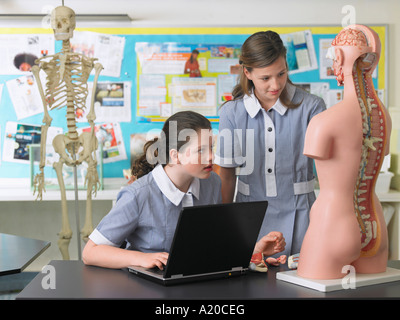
(63, 22)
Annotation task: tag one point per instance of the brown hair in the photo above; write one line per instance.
(191, 55)
(259, 51)
(184, 120)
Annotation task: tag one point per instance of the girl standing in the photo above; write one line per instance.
(261, 137)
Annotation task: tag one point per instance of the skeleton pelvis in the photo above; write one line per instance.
(68, 148)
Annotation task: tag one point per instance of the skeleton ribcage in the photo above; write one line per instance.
(67, 83)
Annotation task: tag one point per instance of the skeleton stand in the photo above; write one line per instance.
(78, 228)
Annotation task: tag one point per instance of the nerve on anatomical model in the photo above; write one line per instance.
(66, 86)
(348, 142)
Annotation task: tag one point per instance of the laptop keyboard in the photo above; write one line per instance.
(156, 270)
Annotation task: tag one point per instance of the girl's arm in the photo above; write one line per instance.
(228, 181)
(116, 258)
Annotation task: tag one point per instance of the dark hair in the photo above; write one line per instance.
(24, 57)
(259, 51)
(195, 51)
(184, 120)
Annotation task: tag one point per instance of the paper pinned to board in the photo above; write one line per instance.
(108, 49)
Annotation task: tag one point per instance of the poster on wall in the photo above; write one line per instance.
(110, 136)
(108, 49)
(198, 94)
(325, 64)
(174, 77)
(18, 138)
(25, 96)
(19, 51)
(112, 102)
(300, 54)
(156, 64)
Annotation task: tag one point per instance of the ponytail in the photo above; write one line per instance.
(141, 166)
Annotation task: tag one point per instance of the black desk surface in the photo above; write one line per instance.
(74, 280)
(16, 252)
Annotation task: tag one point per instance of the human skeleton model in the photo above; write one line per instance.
(348, 142)
(66, 85)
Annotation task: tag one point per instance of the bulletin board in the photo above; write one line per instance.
(143, 82)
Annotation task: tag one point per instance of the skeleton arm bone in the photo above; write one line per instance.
(46, 119)
(91, 115)
(39, 178)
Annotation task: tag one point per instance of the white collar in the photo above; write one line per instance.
(169, 189)
(252, 104)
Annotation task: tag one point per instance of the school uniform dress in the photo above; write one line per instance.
(267, 150)
(146, 212)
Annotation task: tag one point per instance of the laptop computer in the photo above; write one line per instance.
(210, 241)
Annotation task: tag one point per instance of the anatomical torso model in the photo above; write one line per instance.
(66, 85)
(348, 142)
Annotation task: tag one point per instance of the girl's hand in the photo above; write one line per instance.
(151, 260)
(270, 244)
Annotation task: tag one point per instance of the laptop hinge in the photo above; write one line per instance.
(237, 269)
(175, 276)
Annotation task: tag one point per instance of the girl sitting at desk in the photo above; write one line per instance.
(171, 175)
